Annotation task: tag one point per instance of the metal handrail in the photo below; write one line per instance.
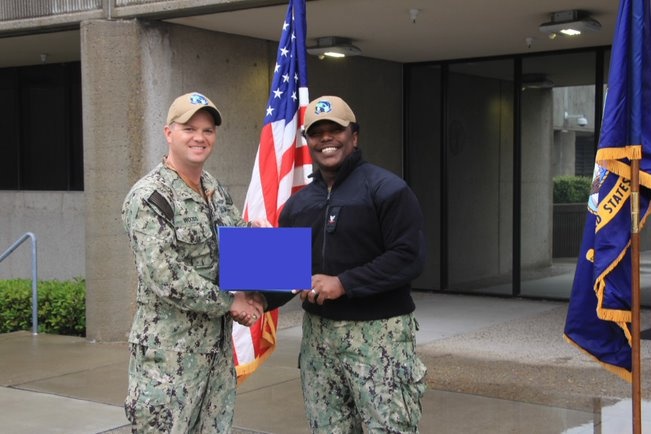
(7, 252)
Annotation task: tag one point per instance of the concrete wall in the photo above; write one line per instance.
(57, 221)
(564, 153)
(132, 70)
(576, 101)
(537, 184)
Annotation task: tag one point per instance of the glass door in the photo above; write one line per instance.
(423, 162)
(479, 162)
(558, 149)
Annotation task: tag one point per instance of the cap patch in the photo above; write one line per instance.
(322, 107)
(197, 98)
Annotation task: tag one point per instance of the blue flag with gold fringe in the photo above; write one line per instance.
(599, 313)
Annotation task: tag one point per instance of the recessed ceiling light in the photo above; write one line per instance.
(333, 46)
(570, 23)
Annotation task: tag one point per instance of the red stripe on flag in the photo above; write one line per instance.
(256, 332)
(288, 161)
(302, 156)
(269, 173)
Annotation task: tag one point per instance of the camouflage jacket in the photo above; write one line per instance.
(172, 233)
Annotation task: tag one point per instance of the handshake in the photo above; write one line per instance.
(247, 307)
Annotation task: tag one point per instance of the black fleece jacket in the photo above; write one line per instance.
(368, 231)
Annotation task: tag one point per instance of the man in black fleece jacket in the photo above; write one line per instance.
(358, 361)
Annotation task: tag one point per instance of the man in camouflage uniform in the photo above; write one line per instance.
(181, 370)
(358, 362)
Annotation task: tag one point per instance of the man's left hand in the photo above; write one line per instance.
(324, 288)
(261, 223)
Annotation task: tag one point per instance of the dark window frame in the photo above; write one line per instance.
(41, 117)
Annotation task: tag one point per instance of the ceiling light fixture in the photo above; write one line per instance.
(536, 81)
(333, 46)
(570, 23)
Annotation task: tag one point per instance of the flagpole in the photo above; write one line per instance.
(636, 398)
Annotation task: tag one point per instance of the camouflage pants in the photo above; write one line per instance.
(171, 392)
(361, 372)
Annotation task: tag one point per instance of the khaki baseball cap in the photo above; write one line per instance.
(328, 108)
(185, 106)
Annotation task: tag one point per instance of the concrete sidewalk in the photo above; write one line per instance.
(494, 366)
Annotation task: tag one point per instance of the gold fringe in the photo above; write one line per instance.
(617, 167)
(245, 371)
(616, 315)
(269, 336)
(599, 288)
(607, 158)
(627, 332)
(619, 371)
(269, 332)
(622, 169)
(632, 152)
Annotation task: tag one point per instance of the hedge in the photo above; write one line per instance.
(61, 306)
(572, 189)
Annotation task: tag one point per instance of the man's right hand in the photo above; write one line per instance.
(246, 308)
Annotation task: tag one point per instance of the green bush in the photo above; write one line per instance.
(571, 189)
(61, 306)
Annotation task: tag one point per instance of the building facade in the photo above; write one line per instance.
(478, 140)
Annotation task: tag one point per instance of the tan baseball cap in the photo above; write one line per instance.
(185, 106)
(328, 108)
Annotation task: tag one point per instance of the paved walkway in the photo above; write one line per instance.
(495, 366)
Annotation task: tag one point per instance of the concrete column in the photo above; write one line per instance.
(114, 142)
(564, 153)
(537, 185)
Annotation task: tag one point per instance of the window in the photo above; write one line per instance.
(40, 118)
(484, 140)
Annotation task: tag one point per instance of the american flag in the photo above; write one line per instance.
(282, 166)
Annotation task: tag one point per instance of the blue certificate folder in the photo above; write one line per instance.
(270, 259)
